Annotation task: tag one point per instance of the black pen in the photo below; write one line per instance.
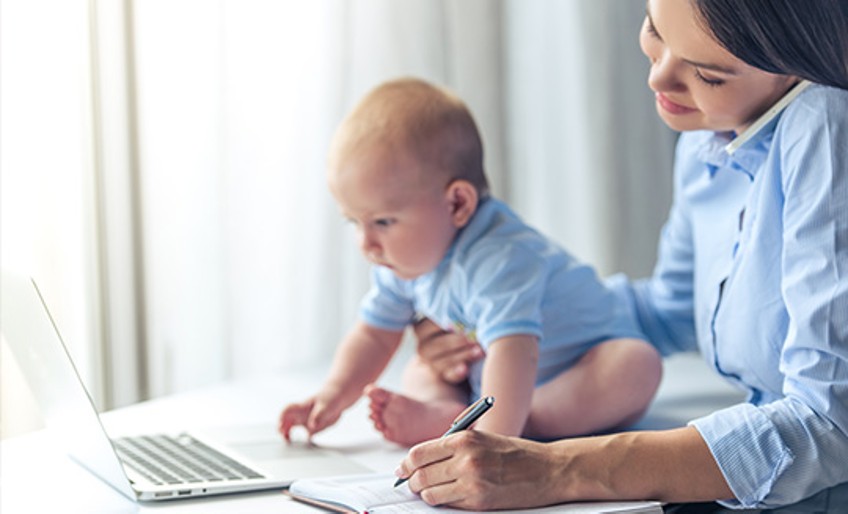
(465, 419)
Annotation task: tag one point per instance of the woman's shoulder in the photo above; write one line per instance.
(816, 95)
(811, 134)
(817, 106)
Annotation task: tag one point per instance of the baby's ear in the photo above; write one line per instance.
(463, 199)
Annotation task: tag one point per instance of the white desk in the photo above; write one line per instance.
(28, 463)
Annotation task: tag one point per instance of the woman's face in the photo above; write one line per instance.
(698, 84)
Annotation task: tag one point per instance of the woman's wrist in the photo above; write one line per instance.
(555, 470)
(627, 465)
(584, 468)
(670, 465)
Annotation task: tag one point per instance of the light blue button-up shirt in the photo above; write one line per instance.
(753, 272)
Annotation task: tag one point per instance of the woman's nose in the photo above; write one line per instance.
(664, 73)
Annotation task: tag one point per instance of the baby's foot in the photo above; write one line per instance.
(406, 421)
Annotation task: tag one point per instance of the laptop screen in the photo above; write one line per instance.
(68, 410)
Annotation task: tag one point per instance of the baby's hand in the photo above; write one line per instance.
(315, 414)
(293, 415)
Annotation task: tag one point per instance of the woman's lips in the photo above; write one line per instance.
(672, 107)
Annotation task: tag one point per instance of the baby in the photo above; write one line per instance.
(406, 168)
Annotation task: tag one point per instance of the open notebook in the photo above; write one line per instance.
(373, 493)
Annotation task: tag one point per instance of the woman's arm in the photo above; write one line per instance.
(483, 471)
(509, 374)
(663, 305)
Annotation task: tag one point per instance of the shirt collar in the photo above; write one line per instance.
(747, 158)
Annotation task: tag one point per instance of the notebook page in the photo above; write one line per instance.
(361, 492)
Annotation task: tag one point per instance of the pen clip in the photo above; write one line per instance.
(467, 417)
(466, 411)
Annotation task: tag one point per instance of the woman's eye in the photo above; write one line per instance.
(708, 81)
(383, 222)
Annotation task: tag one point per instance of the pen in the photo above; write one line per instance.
(465, 419)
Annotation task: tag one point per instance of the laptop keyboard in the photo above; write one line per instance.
(182, 459)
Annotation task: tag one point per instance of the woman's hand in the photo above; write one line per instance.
(481, 471)
(448, 354)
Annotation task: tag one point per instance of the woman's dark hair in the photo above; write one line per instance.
(806, 38)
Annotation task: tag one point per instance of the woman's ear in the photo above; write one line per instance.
(463, 199)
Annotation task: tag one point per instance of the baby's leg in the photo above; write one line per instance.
(609, 387)
(424, 411)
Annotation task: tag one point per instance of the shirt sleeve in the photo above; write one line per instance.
(787, 450)
(663, 305)
(388, 304)
(504, 291)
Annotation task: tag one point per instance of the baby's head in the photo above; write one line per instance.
(406, 167)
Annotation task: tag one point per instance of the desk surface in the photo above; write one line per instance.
(28, 463)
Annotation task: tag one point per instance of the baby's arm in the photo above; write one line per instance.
(509, 374)
(362, 355)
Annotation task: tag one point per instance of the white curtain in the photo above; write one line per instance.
(233, 259)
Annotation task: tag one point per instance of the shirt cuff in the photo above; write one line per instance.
(749, 451)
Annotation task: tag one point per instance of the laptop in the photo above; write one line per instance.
(161, 466)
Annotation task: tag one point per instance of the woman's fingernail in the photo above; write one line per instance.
(399, 472)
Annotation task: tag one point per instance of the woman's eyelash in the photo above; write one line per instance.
(705, 80)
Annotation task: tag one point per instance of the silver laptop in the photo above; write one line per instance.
(145, 467)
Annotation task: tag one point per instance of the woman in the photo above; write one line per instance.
(752, 271)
